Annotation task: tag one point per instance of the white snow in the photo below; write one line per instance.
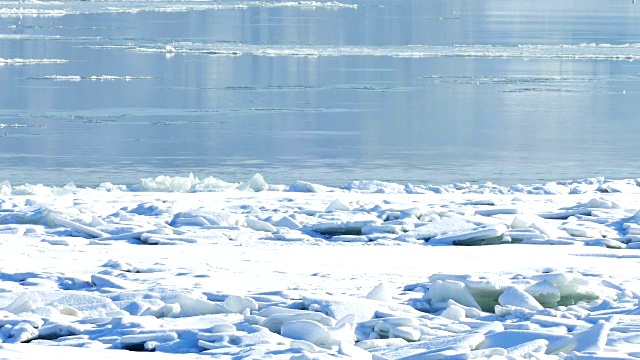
(194, 269)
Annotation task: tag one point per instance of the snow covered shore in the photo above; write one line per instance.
(371, 270)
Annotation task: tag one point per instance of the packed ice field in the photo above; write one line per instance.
(182, 268)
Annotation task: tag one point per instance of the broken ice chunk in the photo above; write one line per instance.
(256, 183)
(238, 304)
(130, 341)
(259, 225)
(545, 293)
(441, 291)
(212, 217)
(338, 205)
(516, 297)
(478, 236)
(334, 228)
(460, 342)
(511, 338)
(439, 227)
(275, 321)
(112, 282)
(593, 339)
(307, 330)
(22, 332)
(380, 293)
(350, 238)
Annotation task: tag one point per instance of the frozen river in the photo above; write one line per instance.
(305, 263)
(426, 92)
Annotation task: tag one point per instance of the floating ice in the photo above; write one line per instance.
(628, 52)
(30, 61)
(91, 78)
(58, 8)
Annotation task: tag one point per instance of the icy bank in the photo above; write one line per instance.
(583, 212)
(198, 268)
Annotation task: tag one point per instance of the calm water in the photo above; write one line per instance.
(420, 91)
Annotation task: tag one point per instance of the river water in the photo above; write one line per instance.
(418, 91)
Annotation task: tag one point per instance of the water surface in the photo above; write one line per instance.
(407, 91)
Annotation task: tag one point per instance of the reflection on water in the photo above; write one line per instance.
(412, 91)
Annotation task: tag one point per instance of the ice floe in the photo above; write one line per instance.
(626, 52)
(91, 78)
(17, 61)
(59, 8)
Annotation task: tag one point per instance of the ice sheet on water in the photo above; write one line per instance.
(628, 52)
(28, 37)
(17, 61)
(61, 8)
(76, 78)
